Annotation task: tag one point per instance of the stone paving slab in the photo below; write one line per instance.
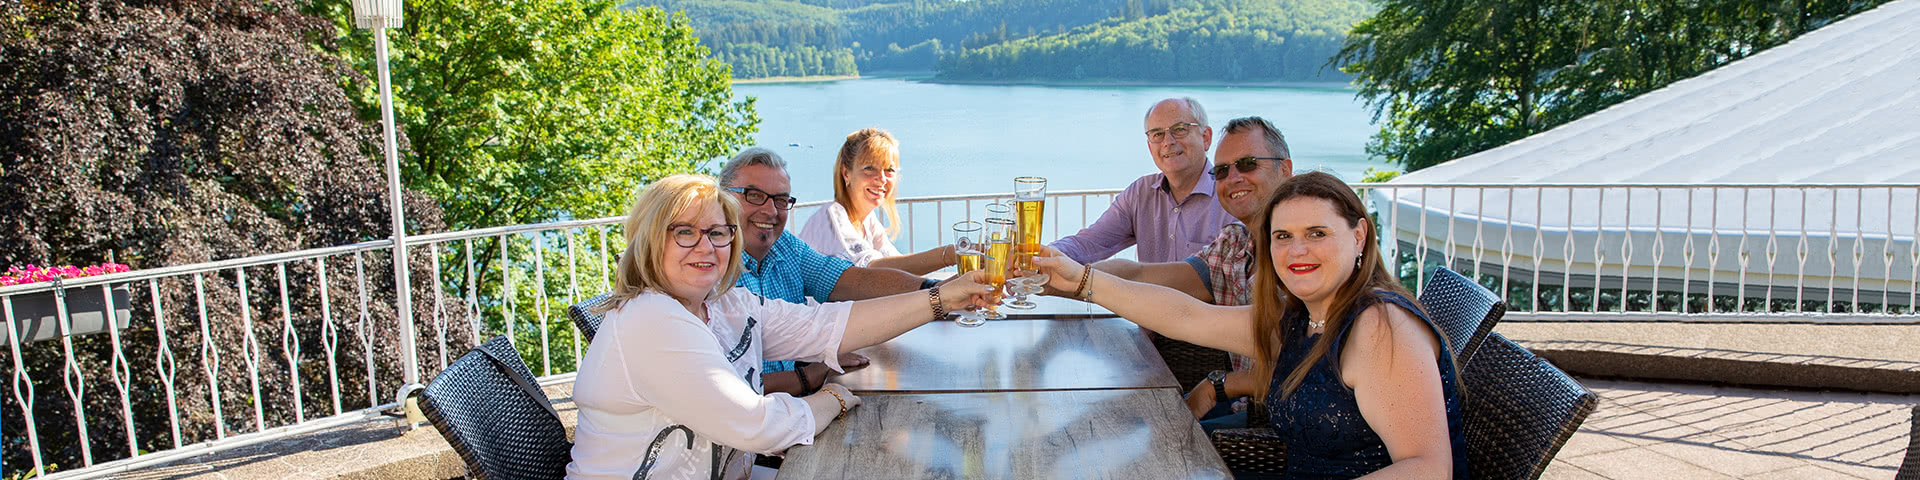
(377, 449)
(1666, 430)
(1639, 430)
(1868, 358)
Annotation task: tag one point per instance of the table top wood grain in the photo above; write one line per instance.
(1049, 307)
(1029, 435)
(1008, 355)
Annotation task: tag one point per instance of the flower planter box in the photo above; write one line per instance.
(37, 318)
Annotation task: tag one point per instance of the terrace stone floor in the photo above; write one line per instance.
(1641, 429)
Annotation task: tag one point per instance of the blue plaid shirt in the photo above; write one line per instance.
(791, 272)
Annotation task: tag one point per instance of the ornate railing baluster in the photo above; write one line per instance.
(290, 342)
(164, 365)
(23, 383)
(366, 327)
(209, 358)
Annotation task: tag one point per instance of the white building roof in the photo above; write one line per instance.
(1839, 105)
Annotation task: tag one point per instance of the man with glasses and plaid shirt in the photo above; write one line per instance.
(1170, 214)
(780, 266)
(1250, 162)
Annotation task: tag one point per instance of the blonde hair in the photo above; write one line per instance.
(884, 152)
(639, 268)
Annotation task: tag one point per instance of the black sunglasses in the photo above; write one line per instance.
(759, 197)
(1244, 164)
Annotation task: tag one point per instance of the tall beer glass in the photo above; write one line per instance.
(967, 246)
(999, 257)
(1030, 204)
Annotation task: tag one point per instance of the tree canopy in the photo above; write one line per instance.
(844, 37)
(1230, 40)
(1448, 79)
(525, 111)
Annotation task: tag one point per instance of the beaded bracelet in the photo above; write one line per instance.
(800, 369)
(1085, 292)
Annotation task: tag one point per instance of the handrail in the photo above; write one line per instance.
(523, 287)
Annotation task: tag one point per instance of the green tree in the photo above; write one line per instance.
(1448, 79)
(522, 111)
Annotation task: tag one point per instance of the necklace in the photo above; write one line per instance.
(1316, 324)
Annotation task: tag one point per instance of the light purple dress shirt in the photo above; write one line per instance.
(1167, 229)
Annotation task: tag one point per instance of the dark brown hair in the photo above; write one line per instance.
(1272, 301)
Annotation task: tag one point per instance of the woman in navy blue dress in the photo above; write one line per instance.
(1354, 376)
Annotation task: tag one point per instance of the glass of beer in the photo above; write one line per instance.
(1030, 205)
(966, 246)
(999, 258)
(1000, 210)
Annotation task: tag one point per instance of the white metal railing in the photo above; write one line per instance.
(335, 347)
(1828, 253)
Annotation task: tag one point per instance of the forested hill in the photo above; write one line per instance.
(1000, 39)
(1246, 40)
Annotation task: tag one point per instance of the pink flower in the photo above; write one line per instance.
(20, 275)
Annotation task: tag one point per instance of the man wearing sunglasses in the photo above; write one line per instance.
(1170, 214)
(1250, 162)
(781, 266)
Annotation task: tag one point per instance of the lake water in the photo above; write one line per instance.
(962, 139)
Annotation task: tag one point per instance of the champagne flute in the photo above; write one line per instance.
(966, 235)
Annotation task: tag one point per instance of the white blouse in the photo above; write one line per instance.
(830, 231)
(659, 389)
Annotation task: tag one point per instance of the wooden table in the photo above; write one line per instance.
(1131, 433)
(1049, 307)
(1005, 355)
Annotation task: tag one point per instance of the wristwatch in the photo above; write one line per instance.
(1219, 379)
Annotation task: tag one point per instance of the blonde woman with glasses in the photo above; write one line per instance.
(669, 388)
(866, 175)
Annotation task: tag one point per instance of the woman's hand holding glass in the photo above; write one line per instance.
(1063, 274)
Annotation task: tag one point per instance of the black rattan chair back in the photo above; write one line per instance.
(585, 318)
(488, 406)
(1465, 310)
(1190, 363)
(1910, 469)
(1519, 411)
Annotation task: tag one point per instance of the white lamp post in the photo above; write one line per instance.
(378, 16)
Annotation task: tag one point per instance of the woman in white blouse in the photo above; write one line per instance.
(865, 176)
(669, 388)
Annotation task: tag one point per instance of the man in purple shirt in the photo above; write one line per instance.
(1170, 214)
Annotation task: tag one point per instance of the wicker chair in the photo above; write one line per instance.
(585, 318)
(1519, 411)
(1465, 310)
(1190, 363)
(1910, 469)
(487, 405)
(1251, 452)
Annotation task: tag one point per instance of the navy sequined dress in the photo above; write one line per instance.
(1326, 438)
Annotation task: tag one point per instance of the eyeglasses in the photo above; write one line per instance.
(759, 197)
(1246, 165)
(686, 236)
(1178, 130)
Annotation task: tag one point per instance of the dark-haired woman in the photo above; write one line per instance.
(1352, 373)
